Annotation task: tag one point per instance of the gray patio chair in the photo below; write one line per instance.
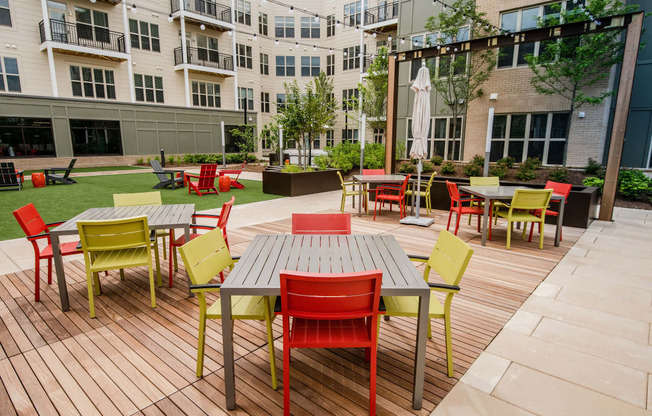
(51, 177)
(166, 177)
(9, 179)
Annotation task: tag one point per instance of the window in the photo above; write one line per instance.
(330, 136)
(264, 64)
(264, 102)
(350, 135)
(285, 66)
(92, 82)
(265, 140)
(330, 64)
(348, 97)
(92, 25)
(353, 13)
(310, 66)
(350, 57)
(95, 137)
(444, 138)
(26, 137)
(144, 35)
(243, 12)
(457, 63)
(244, 56)
(9, 79)
(310, 28)
(262, 23)
(148, 88)
(5, 15)
(284, 27)
(207, 49)
(206, 94)
(520, 136)
(379, 135)
(246, 95)
(330, 25)
(280, 102)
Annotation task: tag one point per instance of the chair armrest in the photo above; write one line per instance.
(388, 188)
(205, 216)
(54, 224)
(79, 246)
(235, 258)
(202, 227)
(152, 236)
(57, 169)
(192, 175)
(471, 199)
(207, 287)
(230, 171)
(278, 307)
(440, 287)
(37, 236)
(422, 259)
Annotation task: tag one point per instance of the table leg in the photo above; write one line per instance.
(420, 353)
(359, 199)
(485, 220)
(227, 352)
(560, 222)
(58, 267)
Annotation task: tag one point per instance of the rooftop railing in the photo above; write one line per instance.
(381, 13)
(205, 8)
(82, 34)
(204, 57)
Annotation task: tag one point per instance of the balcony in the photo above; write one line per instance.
(203, 11)
(204, 61)
(382, 18)
(85, 40)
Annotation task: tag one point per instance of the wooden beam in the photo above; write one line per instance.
(620, 117)
(392, 95)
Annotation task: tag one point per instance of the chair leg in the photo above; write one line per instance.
(342, 203)
(158, 263)
(375, 205)
(165, 253)
(37, 279)
(429, 329)
(98, 286)
(286, 379)
(524, 230)
(372, 381)
(49, 271)
(541, 236)
(450, 213)
(91, 301)
(201, 338)
(509, 232)
(531, 229)
(457, 222)
(152, 288)
(449, 344)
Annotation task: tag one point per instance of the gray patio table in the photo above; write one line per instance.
(506, 193)
(159, 217)
(378, 179)
(257, 273)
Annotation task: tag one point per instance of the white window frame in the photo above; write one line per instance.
(152, 91)
(107, 88)
(198, 93)
(154, 42)
(5, 76)
(243, 12)
(313, 28)
(284, 24)
(313, 66)
(244, 56)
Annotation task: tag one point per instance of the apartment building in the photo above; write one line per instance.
(124, 78)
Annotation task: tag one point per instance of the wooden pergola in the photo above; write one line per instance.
(632, 22)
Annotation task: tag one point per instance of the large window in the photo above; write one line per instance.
(95, 137)
(206, 94)
(246, 95)
(330, 64)
(244, 56)
(520, 136)
(310, 66)
(264, 64)
(264, 102)
(9, 78)
(92, 25)
(262, 23)
(445, 64)
(243, 12)
(26, 137)
(92, 82)
(348, 98)
(284, 26)
(285, 66)
(353, 13)
(5, 15)
(350, 135)
(350, 58)
(310, 28)
(330, 25)
(144, 35)
(207, 50)
(148, 88)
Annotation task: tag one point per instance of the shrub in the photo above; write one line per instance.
(592, 167)
(593, 181)
(374, 156)
(634, 184)
(507, 162)
(447, 167)
(140, 161)
(525, 173)
(478, 160)
(149, 159)
(437, 160)
(157, 158)
(558, 174)
(407, 167)
(321, 161)
(178, 160)
(345, 156)
(499, 171)
(295, 169)
(472, 170)
(428, 167)
(532, 163)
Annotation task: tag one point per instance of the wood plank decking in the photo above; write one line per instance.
(136, 360)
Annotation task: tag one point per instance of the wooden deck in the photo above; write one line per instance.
(136, 360)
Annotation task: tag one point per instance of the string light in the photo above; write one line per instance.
(330, 50)
(291, 9)
(134, 9)
(255, 36)
(230, 33)
(316, 17)
(402, 41)
(202, 26)
(314, 47)
(170, 18)
(276, 42)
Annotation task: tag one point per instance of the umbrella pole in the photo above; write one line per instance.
(417, 191)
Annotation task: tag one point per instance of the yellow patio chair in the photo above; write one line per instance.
(423, 192)
(205, 257)
(449, 259)
(115, 244)
(349, 188)
(487, 181)
(524, 201)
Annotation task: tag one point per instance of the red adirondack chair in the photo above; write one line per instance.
(321, 223)
(237, 172)
(205, 180)
(392, 193)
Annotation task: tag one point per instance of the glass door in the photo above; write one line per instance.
(57, 14)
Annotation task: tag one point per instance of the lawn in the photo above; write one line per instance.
(61, 202)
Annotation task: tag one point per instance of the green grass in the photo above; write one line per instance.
(95, 169)
(62, 202)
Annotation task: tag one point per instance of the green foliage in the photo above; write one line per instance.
(498, 170)
(178, 160)
(149, 159)
(374, 156)
(373, 92)
(140, 161)
(231, 158)
(633, 184)
(531, 163)
(345, 156)
(447, 167)
(437, 160)
(525, 172)
(322, 162)
(592, 167)
(507, 162)
(296, 169)
(427, 167)
(478, 160)
(472, 170)
(558, 174)
(170, 160)
(400, 149)
(157, 158)
(593, 181)
(407, 167)
(244, 138)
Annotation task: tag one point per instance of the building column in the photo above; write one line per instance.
(130, 69)
(184, 54)
(48, 40)
(236, 102)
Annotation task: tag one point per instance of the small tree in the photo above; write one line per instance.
(320, 106)
(245, 139)
(459, 77)
(373, 92)
(292, 116)
(571, 67)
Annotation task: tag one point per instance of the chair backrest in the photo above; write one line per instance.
(559, 188)
(432, 178)
(137, 199)
(373, 171)
(206, 256)
(484, 181)
(341, 179)
(8, 176)
(207, 174)
(330, 296)
(158, 170)
(452, 191)
(404, 185)
(527, 199)
(321, 223)
(30, 220)
(106, 235)
(224, 214)
(449, 258)
(70, 166)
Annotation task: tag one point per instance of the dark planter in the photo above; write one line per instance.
(302, 183)
(581, 208)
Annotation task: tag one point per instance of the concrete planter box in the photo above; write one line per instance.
(302, 183)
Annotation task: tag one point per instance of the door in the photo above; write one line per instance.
(57, 15)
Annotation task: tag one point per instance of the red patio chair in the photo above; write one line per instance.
(237, 172)
(557, 189)
(330, 311)
(457, 206)
(321, 223)
(36, 229)
(205, 180)
(392, 193)
(373, 171)
(222, 220)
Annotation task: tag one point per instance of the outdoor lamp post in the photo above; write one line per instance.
(363, 122)
(223, 145)
(490, 126)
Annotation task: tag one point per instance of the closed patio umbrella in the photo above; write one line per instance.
(420, 128)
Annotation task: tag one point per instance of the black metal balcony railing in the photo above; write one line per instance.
(84, 35)
(381, 13)
(205, 8)
(204, 57)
